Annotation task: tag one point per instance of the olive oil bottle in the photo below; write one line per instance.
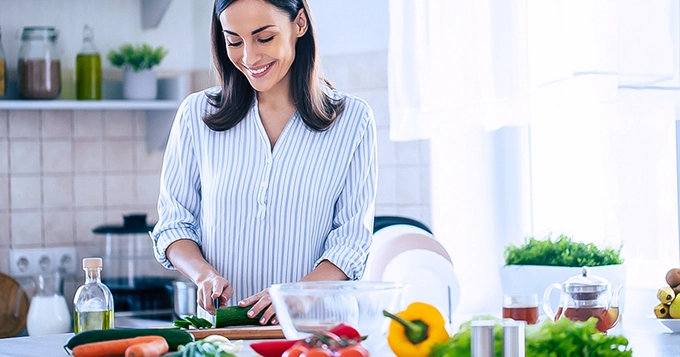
(93, 302)
(3, 67)
(88, 68)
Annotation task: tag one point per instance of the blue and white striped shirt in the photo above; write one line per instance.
(264, 216)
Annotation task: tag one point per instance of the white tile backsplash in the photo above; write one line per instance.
(387, 186)
(4, 157)
(387, 149)
(148, 161)
(4, 194)
(57, 192)
(119, 155)
(57, 157)
(88, 156)
(88, 191)
(119, 124)
(59, 228)
(27, 230)
(147, 189)
(4, 230)
(57, 124)
(88, 124)
(408, 185)
(24, 124)
(119, 190)
(4, 124)
(26, 192)
(24, 157)
(408, 152)
(85, 222)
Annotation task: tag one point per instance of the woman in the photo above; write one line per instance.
(269, 178)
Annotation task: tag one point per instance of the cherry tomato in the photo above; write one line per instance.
(318, 352)
(299, 349)
(353, 351)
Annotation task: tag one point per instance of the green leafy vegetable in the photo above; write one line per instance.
(211, 346)
(564, 338)
(137, 57)
(563, 251)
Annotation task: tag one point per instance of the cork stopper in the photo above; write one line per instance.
(92, 263)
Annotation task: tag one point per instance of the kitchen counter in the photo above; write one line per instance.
(644, 344)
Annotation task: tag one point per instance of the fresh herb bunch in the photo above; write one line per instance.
(564, 338)
(137, 57)
(563, 251)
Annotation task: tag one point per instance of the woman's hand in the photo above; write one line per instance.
(210, 287)
(261, 302)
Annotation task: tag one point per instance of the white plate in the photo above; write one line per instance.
(430, 276)
(671, 324)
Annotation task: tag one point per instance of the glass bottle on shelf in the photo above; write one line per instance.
(3, 69)
(93, 302)
(39, 65)
(88, 68)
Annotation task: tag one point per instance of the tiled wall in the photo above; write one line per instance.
(63, 173)
(404, 167)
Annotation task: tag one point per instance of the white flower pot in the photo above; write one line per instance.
(140, 85)
(528, 279)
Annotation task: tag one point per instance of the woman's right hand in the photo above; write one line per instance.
(211, 287)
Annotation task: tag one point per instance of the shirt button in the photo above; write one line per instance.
(264, 184)
(269, 160)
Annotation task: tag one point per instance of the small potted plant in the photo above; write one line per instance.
(139, 79)
(531, 267)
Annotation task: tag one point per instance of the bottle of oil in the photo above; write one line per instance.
(88, 68)
(93, 302)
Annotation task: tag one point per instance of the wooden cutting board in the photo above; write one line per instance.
(13, 307)
(241, 332)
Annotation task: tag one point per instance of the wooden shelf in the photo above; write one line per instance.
(118, 104)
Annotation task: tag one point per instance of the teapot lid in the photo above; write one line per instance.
(583, 283)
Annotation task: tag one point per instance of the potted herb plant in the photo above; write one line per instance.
(137, 61)
(531, 267)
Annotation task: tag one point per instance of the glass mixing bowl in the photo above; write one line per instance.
(305, 308)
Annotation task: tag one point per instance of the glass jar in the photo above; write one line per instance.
(48, 312)
(39, 66)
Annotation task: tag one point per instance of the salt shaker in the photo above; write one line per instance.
(514, 343)
(482, 338)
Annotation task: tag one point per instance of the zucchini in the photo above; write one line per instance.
(173, 336)
(235, 316)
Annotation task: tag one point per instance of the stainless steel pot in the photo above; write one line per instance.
(185, 298)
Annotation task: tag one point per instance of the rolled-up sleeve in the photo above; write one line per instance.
(348, 242)
(179, 202)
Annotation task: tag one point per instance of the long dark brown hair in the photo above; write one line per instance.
(318, 110)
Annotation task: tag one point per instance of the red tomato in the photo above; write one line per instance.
(318, 352)
(353, 351)
(299, 349)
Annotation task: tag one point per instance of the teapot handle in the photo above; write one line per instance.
(546, 300)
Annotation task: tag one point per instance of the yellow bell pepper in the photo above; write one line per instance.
(414, 331)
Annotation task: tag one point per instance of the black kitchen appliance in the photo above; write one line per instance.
(140, 286)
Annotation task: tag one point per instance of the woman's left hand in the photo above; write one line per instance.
(261, 302)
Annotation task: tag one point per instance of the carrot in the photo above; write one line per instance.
(110, 348)
(153, 348)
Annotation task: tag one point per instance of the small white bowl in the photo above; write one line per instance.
(671, 324)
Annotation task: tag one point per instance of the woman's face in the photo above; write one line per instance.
(260, 41)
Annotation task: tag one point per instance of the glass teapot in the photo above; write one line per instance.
(583, 297)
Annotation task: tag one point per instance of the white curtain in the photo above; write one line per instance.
(544, 117)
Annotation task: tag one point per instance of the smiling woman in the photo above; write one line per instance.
(269, 177)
